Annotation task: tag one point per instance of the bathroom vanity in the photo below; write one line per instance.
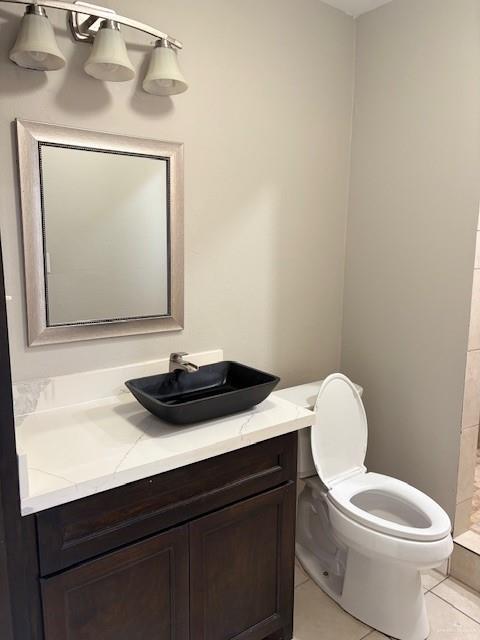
(203, 552)
(140, 529)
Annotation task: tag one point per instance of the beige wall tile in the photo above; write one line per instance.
(468, 460)
(477, 252)
(469, 540)
(463, 512)
(474, 332)
(471, 397)
(465, 566)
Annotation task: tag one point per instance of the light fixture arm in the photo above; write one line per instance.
(75, 8)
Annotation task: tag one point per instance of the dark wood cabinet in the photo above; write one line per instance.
(83, 529)
(137, 593)
(241, 568)
(205, 552)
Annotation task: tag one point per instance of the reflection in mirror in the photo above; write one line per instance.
(103, 233)
(106, 235)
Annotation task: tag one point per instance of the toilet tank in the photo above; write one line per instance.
(305, 395)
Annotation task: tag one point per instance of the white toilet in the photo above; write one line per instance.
(365, 537)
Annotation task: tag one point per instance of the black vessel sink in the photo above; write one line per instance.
(213, 391)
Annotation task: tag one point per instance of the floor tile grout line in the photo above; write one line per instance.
(436, 585)
(456, 608)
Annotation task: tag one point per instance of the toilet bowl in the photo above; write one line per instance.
(365, 537)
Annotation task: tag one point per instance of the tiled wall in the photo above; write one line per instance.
(465, 566)
(465, 560)
(471, 410)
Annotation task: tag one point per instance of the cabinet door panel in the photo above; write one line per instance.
(137, 593)
(241, 569)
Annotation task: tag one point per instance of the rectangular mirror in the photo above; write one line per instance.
(103, 233)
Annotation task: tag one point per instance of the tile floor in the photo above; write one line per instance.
(454, 612)
(475, 517)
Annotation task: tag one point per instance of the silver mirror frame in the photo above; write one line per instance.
(29, 137)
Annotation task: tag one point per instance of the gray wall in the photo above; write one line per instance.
(411, 235)
(266, 125)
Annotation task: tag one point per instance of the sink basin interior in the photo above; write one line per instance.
(211, 380)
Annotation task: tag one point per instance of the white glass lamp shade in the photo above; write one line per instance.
(109, 58)
(35, 46)
(164, 77)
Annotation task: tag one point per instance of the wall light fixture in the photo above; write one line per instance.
(164, 76)
(36, 47)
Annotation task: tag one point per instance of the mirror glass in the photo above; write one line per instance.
(106, 235)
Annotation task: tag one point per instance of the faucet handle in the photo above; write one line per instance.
(177, 355)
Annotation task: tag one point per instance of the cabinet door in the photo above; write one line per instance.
(137, 593)
(241, 569)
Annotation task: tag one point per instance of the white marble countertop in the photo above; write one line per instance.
(71, 452)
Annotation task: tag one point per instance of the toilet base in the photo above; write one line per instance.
(387, 596)
(384, 595)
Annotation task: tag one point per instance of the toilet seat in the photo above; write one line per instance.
(339, 435)
(390, 506)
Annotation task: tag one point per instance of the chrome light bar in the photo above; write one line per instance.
(85, 19)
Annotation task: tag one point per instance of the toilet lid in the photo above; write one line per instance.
(339, 435)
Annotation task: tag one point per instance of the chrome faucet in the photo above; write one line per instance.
(177, 362)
